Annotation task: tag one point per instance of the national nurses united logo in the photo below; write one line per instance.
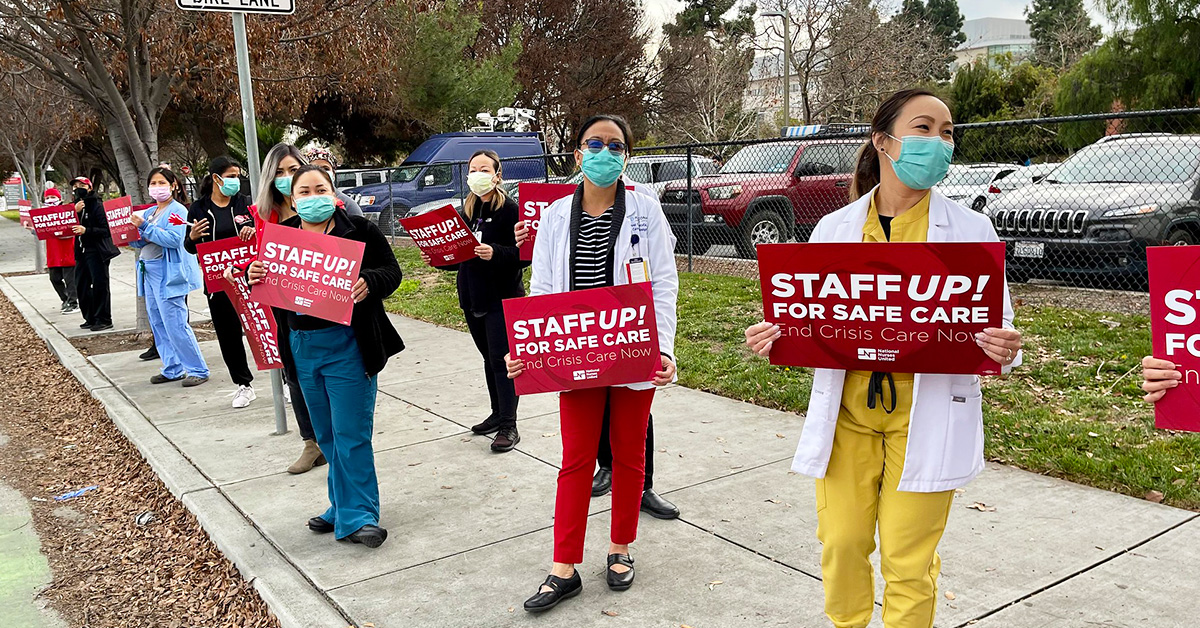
(867, 354)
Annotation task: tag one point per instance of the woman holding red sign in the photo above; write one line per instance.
(485, 281)
(94, 249)
(60, 258)
(221, 212)
(337, 365)
(602, 236)
(166, 273)
(888, 449)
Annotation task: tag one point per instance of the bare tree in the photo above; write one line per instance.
(702, 93)
(38, 118)
(845, 58)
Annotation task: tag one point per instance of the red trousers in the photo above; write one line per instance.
(581, 414)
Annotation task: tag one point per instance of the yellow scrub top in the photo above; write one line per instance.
(911, 226)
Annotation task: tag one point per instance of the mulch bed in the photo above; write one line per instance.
(130, 341)
(129, 553)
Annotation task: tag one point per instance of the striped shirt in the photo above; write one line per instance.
(591, 252)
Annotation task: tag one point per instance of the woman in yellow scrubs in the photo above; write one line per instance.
(888, 449)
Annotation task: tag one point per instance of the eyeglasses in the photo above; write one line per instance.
(595, 146)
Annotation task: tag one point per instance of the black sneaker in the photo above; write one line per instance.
(489, 425)
(86, 325)
(101, 326)
(506, 439)
(149, 354)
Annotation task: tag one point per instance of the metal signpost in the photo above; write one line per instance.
(239, 9)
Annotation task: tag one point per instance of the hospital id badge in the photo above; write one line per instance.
(637, 270)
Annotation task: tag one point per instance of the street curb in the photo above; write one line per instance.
(291, 598)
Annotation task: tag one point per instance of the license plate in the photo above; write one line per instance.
(1036, 250)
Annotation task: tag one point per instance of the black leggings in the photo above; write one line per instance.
(91, 282)
(491, 338)
(228, 326)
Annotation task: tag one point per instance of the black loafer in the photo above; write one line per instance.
(619, 581)
(654, 505)
(506, 439)
(371, 536)
(560, 589)
(602, 482)
(320, 526)
(149, 354)
(489, 425)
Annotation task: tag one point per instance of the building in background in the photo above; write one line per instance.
(991, 37)
(764, 90)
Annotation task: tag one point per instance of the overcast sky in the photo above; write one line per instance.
(660, 11)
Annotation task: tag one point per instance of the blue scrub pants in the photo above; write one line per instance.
(341, 402)
(173, 336)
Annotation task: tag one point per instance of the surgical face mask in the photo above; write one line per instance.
(230, 185)
(284, 185)
(923, 161)
(481, 182)
(160, 193)
(602, 168)
(315, 209)
(51, 201)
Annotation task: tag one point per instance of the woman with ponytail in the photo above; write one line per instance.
(888, 458)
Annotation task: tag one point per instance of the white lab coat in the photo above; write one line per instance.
(643, 216)
(945, 433)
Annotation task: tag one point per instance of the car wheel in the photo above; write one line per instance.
(762, 228)
(978, 204)
(1179, 237)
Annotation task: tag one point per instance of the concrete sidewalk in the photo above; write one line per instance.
(471, 531)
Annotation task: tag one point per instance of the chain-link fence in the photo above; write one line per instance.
(1076, 199)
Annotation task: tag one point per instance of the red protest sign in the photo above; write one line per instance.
(23, 207)
(584, 339)
(895, 307)
(442, 235)
(215, 257)
(535, 197)
(308, 273)
(53, 221)
(119, 226)
(257, 322)
(1175, 331)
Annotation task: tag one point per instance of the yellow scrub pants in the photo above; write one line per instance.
(859, 493)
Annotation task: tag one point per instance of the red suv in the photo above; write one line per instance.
(766, 193)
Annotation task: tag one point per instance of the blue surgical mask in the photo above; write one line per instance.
(230, 185)
(602, 168)
(315, 209)
(923, 161)
(284, 185)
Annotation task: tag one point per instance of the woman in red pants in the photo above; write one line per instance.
(592, 240)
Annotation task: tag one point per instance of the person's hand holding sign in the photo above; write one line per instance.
(664, 377)
(246, 233)
(1158, 376)
(199, 230)
(484, 251)
(78, 229)
(360, 290)
(521, 231)
(761, 336)
(1000, 345)
(425, 258)
(136, 219)
(515, 367)
(255, 272)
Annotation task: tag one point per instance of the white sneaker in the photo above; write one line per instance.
(243, 396)
(287, 394)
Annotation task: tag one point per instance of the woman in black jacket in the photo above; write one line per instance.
(221, 212)
(94, 249)
(337, 364)
(484, 282)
